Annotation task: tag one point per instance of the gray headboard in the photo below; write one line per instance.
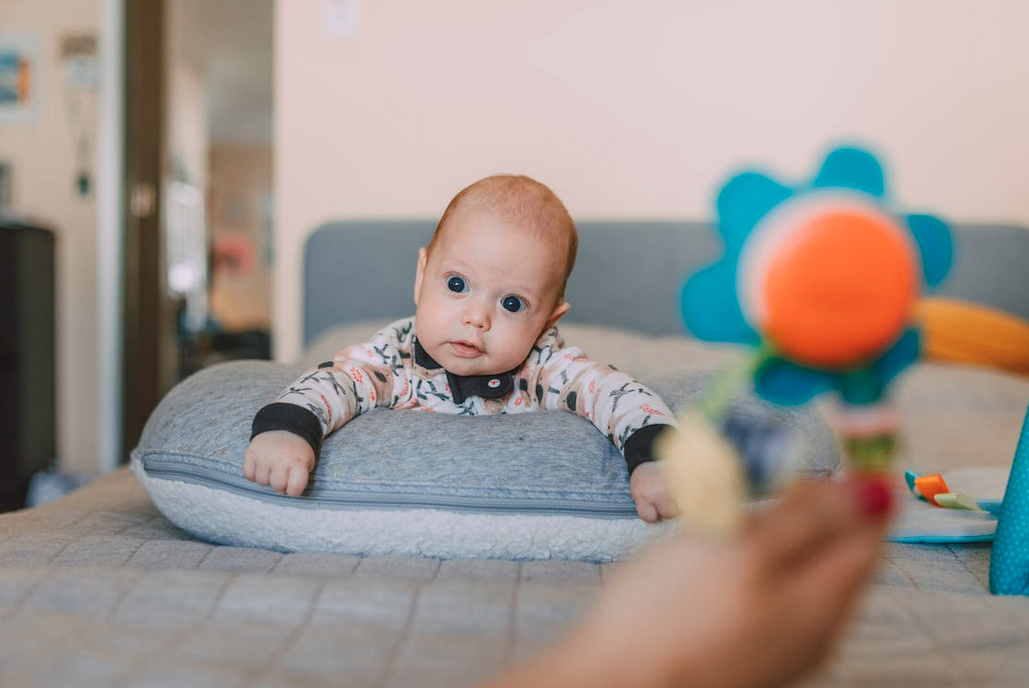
(628, 273)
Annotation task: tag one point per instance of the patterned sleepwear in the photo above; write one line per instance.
(392, 370)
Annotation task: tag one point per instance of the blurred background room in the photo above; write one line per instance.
(163, 161)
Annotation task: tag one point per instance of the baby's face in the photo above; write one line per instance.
(486, 293)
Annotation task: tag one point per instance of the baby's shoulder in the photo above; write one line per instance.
(550, 341)
(392, 341)
(551, 349)
(399, 333)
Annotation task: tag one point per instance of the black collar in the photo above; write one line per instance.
(464, 386)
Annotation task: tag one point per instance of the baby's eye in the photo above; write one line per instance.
(457, 284)
(513, 304)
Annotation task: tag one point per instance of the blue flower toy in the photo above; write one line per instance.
(822, 280)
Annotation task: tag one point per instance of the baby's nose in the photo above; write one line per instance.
(476, 314)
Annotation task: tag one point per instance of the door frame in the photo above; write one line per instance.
(149, 359)
(110, 227)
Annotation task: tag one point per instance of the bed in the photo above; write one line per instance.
(99, 588)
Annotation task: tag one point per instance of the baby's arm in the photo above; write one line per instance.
(287, 434)
(627, 412)
(649, 490)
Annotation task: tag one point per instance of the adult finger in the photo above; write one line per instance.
(666, 507)
(824, 588)
(812, 513)
(840, 568)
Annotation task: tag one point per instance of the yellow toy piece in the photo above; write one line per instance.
(705, 476)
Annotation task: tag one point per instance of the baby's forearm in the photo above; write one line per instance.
(289, 418)
(639, 446)
(331, 395)
(617, 404)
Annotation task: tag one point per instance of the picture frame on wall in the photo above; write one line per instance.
(19, 78)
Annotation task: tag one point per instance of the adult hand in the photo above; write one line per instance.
(763, 608)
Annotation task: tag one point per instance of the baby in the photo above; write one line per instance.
(488, 291)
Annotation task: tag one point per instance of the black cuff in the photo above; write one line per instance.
(639, 448)
(291, 418)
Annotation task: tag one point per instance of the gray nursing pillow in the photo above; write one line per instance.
(529, 486)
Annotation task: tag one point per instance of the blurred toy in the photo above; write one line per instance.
(933, 489)
(821, 280)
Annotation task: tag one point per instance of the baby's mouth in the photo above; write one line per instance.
(466, 349)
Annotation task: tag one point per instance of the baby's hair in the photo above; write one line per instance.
(522, 199)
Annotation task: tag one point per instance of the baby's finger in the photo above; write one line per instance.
(297, 481)
(279, 476)
(262, 472)
(646, 511)
(248, 466)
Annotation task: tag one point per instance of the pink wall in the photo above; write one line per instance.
(626, 109)
(638, 109)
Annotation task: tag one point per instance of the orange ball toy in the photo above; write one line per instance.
(837, 288)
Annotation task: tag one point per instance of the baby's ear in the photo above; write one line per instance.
(423, 256)
(559, 311)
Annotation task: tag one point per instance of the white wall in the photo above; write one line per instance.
(639, 109)
(43, 159)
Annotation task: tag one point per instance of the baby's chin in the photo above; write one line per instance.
(464, 366)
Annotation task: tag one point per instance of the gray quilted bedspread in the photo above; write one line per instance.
(98, 589)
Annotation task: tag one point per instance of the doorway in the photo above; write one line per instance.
(199, 198)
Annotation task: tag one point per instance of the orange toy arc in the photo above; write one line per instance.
(931, 485)
(839, 289)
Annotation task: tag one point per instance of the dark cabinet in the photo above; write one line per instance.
(27, 358)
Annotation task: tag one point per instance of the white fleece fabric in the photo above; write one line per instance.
(231, 519)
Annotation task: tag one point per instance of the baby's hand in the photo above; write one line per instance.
(648, 490)
(280, 459)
